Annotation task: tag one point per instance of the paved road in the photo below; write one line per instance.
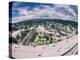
(72, 51)
(46, 50)
(26, 40)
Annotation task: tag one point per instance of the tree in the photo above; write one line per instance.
(69, 28)
(50, 39)
(25, 27)
(23, 34)
(13, 40)
(33, 36)
(36, 33)
(18, 37)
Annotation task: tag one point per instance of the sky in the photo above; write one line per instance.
(20, 11)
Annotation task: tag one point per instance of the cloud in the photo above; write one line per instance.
(23, 12)
(64, 12)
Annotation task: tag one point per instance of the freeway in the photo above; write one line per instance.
(72, 51)
(65, 47)
(27, 38)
